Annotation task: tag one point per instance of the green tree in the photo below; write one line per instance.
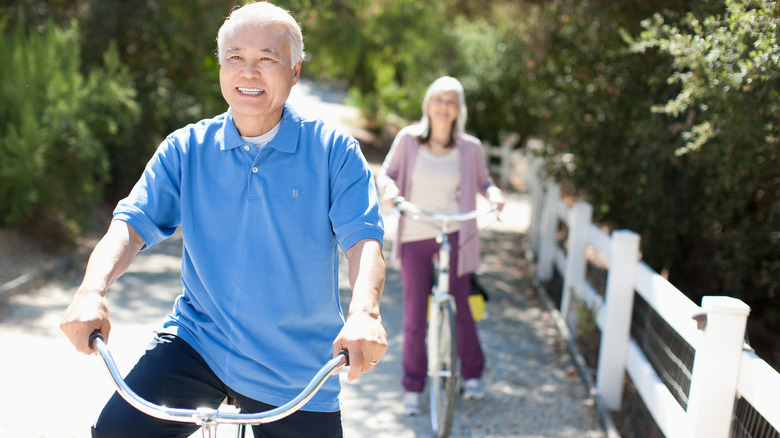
(727, 68)
(385, 51)
(498, 52)
(169, 48)
(52, 162)
(664, 116)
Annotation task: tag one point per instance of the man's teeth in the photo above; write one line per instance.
(250, 91)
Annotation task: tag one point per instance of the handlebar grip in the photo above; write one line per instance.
(346, 357)
(95, 334)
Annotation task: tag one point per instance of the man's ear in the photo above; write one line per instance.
(297, 71)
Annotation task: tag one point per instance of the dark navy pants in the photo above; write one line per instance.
(173, 374)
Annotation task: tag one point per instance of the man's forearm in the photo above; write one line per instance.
(363, 334)
(88, 311)
(111, 257)
(366, 276)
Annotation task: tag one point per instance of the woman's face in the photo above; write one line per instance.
(443, 108)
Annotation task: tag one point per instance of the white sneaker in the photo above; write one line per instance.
(473, 390)
(411, 403)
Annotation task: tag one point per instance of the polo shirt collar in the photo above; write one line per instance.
(286, 140)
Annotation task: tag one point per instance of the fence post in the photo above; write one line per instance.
(534, 169)
(576, 261)
(716, 368)
(616, 329)
(508, 142)
(549, 227)
(535, 187)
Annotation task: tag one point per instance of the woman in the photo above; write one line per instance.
(436, 165)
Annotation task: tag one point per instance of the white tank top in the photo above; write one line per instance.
(434, 187)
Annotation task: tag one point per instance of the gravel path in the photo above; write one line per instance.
(533, 389)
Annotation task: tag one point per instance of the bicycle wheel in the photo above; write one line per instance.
(444, 378)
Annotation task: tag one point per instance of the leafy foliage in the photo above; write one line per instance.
(669, 126)
(169, 49)
(727, 66)
(381, 49)
(52, 163)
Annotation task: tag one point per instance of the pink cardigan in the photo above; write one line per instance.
(474, 178)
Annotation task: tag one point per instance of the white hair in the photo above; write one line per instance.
(263, 13)
(438, 87)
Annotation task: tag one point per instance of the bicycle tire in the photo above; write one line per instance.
(444, 382)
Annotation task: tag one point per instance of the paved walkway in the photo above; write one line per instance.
(49, 390)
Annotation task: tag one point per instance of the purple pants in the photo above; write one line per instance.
(416, 272)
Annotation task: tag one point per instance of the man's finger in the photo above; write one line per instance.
(355, 365)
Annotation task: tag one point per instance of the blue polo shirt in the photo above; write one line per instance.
(261, 234)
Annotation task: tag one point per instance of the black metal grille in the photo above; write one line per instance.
(748, 423)
(669, 354)
(635, 420)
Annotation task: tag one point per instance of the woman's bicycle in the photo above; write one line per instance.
(442, 345)
(208, 418)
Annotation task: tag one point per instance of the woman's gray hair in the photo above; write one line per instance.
(261, 13)
(439, 86)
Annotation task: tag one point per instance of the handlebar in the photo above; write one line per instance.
(209, 416)
(418, 213)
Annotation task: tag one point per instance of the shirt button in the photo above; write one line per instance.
(246, 147)
(254, 170)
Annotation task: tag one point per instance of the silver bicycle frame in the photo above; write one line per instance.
(441, 294)
(209, 418)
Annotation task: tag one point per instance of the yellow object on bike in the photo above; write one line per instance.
(476, 304)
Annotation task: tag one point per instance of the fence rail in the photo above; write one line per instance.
(689, 363)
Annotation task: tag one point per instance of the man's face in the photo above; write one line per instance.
(256, 75)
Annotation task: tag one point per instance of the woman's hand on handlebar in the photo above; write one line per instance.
(86, 313)
(496, 198)
(391, 193)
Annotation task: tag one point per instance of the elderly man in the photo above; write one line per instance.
(264, 199)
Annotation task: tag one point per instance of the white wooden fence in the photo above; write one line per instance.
(499, 158)
(724, 367)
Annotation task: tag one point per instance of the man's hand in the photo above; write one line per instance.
(364, 337)
(86, 313)
(88, 310)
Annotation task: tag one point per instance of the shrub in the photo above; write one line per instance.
(669, 127)
(52, 162)
(727, 68)
(387, 52)
(497, 61)
(169, 49)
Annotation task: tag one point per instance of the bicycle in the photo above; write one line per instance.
(208, 418)
(442, 345)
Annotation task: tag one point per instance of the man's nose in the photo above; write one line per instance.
(251, 70)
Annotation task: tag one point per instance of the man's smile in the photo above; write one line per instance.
(249, 91)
